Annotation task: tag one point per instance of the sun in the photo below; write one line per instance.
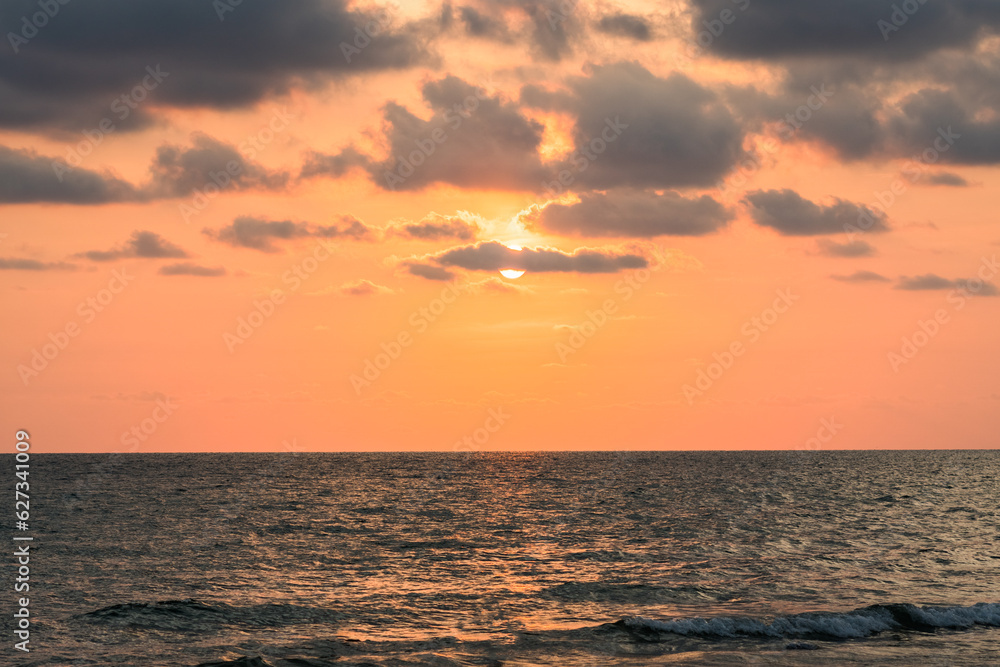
(513, 274)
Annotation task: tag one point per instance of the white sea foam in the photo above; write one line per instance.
(850, 625)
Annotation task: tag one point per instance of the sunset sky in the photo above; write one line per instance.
(742, 224)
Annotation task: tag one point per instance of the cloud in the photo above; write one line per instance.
(861, 277)
(260, 234)
(625, 25)
(26, 177)
(634, 129)
(334, 166)
(362, 287)
(20, 264)
(428, 271)
(494, 256)
(930, 281)
(177, 172)
(632, 214)
(785, 29)
(947, 178)
(484, 142)
(435, 227)
(217, 55)
(140, 244)
(495, 285)
(850, 249)
(189, 269)
(789, 214)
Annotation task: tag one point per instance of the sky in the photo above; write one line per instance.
(499, 225)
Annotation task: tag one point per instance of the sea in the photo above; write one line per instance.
(515, 559)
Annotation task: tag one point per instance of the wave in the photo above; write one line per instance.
(855, 624)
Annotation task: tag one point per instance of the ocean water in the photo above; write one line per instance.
(714, 558)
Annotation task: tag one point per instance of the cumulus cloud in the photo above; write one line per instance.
(435, 227)
(93, 53)
(177, 171)
(260, 234)
(861, 277)
(494, 256)
(22, 264)
(783, 29)
(26, 177)
(140, 244)
(855, 248)
(625, 25)
(634, 129)
(334, 166)
(632, 213)
(789, 214)
(189, 269)
(931, 281)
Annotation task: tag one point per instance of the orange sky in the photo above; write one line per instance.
(144, 348)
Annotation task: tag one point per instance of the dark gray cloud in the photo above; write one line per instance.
(428, 271)
(140, 244)
(177, 171)
(855, 248)
(789, 214)
(637, 130)
(260, 234)
(26, 177)
(948, 179)
(478, 24)
(189, 269)
(93, 52)
(435, 227)
(931, 281)
(862, 277)
(334, 166)
(633, 213)
(21, 264)
(494, 256)
(483, 142)
(625, 25)
(633, 129)
(782, 29)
